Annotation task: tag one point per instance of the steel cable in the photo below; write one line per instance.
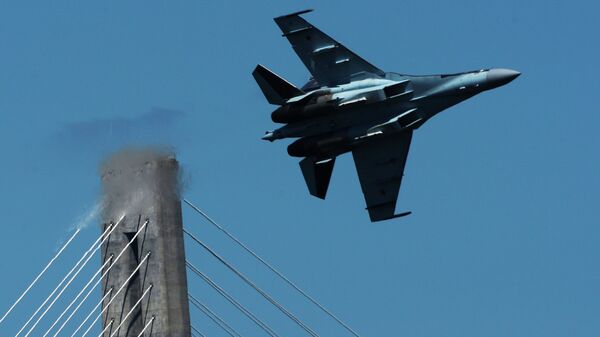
(111, 300)
(273, 269)
(63, 280)
(108, 293)
(112, 263)
(90, 254)
(214, 317)
(233, 301)
(130, 311)
(255, 287)
(108, 326)
(146, 326)
(197, 331)
(73, 301)
(40, 275)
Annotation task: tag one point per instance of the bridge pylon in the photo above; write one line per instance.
(142, 199)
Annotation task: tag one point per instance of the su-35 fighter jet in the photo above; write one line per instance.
(349, 105)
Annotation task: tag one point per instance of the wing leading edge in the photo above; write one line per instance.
(328, 61)
(380, 166)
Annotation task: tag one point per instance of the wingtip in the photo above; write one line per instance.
(258, 68)
(394, 216)
(295, 13)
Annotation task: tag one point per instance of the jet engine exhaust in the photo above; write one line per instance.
(319, 146)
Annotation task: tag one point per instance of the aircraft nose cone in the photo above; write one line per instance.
(500, 77)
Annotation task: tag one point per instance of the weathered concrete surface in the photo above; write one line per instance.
(142, 185)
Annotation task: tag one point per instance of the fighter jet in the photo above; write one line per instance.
(349, 105)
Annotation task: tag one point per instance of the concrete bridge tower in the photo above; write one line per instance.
(141, 190)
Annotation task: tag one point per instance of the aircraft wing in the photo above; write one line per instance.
(380, 166)
(328, 61)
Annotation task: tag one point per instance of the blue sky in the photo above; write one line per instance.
(503, 240)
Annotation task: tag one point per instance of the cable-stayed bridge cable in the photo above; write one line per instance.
(111, 300)
(40, 275)
(112, 263)
(75, 299)
(63, 280)
(108, 229)
(232, 300)
(197, 331)
(254, 286)
(130, 311)
(146, 326)
(71, 280)
(107, 327)
(79, 266)
(214, 317)
(108, 293)
(272, 268)
(79, 305)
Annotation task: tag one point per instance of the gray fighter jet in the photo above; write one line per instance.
(349, 105)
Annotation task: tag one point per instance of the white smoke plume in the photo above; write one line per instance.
(133, 175)
(89, 217)
(84, 220)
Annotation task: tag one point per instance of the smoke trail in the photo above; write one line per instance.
(88, 217)
(82, 222)
(101, 136)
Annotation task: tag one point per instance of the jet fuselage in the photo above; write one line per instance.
(330, 121)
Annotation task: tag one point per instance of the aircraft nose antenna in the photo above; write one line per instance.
(499, 77)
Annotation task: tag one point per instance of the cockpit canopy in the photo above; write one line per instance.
(464, 72)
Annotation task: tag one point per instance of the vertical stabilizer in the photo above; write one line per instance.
(276, 89)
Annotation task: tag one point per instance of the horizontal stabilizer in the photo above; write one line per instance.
(276, 89)
(317, 175)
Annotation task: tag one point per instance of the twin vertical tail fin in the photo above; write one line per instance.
(276, 89)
